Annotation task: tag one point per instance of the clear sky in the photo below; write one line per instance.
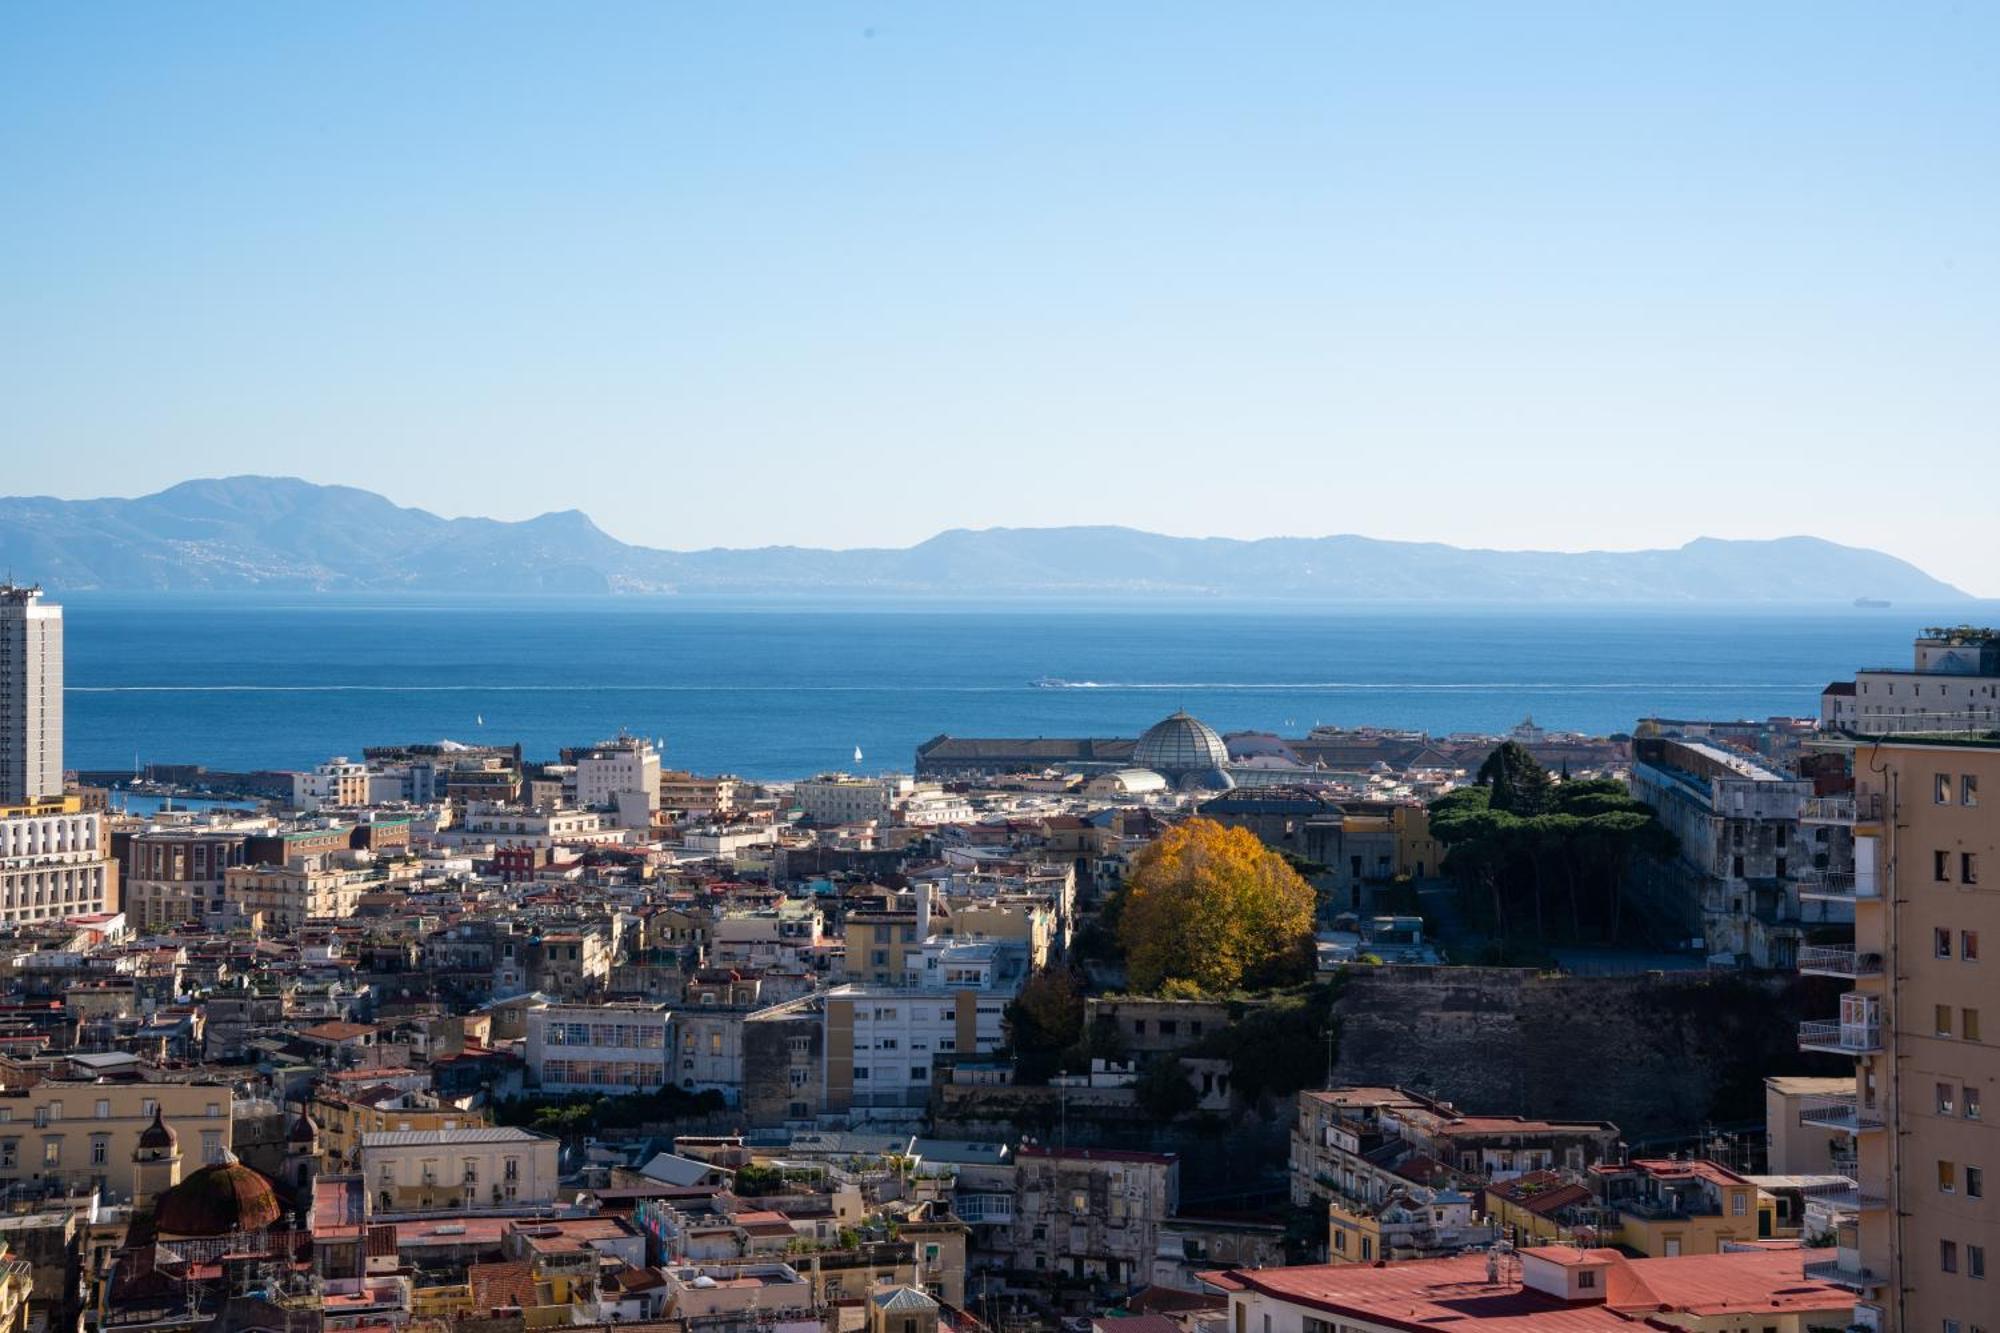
(1596, 274)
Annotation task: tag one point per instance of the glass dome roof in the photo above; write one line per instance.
(1180, 745)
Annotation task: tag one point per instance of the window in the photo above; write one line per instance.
(1941, 788)
(1585, 1280)
(1948, 1256)
(1739, 1204)
(99, 1146)
(1968, 945)
(103, 1109)
(1975, 1261)
(211, 1146)
(148, 1108)
(1968, 1024)
(51, 1152)
(1941, 867)
(1975, 1183)
(1968, 867)
(1947, 1176)
(1944, 1099)
(1971, 1101)
(1968, 789)
(1941, 942)
(1942, 1021)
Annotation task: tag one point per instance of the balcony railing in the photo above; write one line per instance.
(1846, 1273)
(1827, 810)
(1838, 960)
(1835, 886)
(1845, 1196)
(1838, 1113)
(984, 1207)
(1840, 1038)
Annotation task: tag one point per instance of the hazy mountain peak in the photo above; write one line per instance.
(283, 532)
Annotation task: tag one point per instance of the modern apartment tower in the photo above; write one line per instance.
(31, 697)
(1920, 1250)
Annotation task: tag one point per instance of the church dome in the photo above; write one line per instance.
(1179, 745)
(216, 1201)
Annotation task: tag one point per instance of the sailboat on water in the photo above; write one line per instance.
(857, 754)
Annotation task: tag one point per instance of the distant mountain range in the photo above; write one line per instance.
(279, 533)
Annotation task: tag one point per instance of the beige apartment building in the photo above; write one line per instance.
(288, 896)
(1797, 1142)
(86, 1133)
(458, 1170)
(343, 1123)
(1926, 1235)
(683, 792)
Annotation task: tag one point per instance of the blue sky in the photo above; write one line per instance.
(1498, 274)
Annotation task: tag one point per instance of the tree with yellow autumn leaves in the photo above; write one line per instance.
(1209, 909)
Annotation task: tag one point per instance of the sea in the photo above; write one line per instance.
(782, 688)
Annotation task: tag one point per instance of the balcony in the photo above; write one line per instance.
(1845, 1272)
(984, 1207)
(1838, 961)
(1838, 1038)
(1845, 1196)
(1843, 1114)
(1672, 1207)
(1827, 810)
(1838, 886)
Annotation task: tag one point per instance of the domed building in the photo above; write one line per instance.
(218, 1200)
(1186, 752)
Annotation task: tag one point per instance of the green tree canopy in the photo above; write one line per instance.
(1516, 780)
(1566, 846)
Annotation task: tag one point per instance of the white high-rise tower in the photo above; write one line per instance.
(31, 696)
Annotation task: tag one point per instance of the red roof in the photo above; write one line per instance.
(1673, 1168)
(1539, 1192)
(1425, 1294)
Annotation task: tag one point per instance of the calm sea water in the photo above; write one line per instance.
(781, 689)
